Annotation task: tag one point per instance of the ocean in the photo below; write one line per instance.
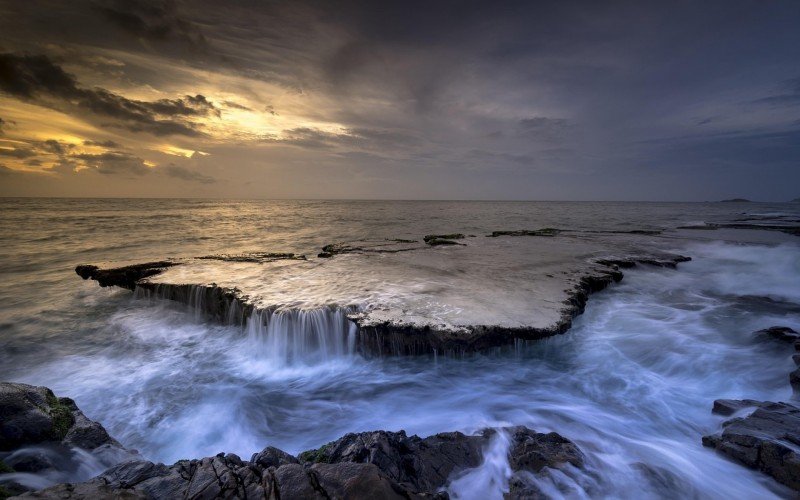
(632, 382)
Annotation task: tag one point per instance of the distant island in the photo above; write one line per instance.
(736, 200)
(796, 200)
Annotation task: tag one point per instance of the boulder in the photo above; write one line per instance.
(31, 415)
(783, 333)
(767, 440)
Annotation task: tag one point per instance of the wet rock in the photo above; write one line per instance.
(30, 415)
(767, 440)
(435, 242)
(669, 261)
(424, 464)
(39, 430)
(443, 239)
(124, 277)
(783, 333)
(532, 451)
(368, 246)
(272, 457)
(547, 231)
(727, 407)
(367, 465)
(255, 257)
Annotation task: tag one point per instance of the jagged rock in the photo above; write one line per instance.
(39, 430)
(780, 333)
(767, 439)
(727, 407)
(531, 451)
(273, 457)
(368, 465)
(30, 415)
(426, 464)
(125, 277)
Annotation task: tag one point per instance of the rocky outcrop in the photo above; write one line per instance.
(768, 439)
(443, 239)
(31, 415)
(783, 333)
(368, 246)
(367, 465)
(388, 337)
(547, 231)
(38, 430)
(124, 277)
(254, 257)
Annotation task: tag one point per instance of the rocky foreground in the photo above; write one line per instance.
(367, 465)
(445, 293)
(768, 438)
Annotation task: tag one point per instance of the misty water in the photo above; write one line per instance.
(632, 383)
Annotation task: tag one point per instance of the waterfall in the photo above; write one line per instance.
(289, 337)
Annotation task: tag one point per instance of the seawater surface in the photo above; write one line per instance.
(632, 383)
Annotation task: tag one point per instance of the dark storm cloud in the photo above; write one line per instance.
(114, 163)
(457, 91)
(186, 174)
(152, 19)
(39, 79)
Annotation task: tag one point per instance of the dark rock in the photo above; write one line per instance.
(125, 277)
(780, 333)
(255, 257)
(40, 431)
(767, 440)
(531, 451)
(31, 415)
(669, 260)
(794, 380)
(368, 246)
(423, 464)
(435, 242)
(442, 239)
(272, 457)
(368, 465)
(547, 231)
(727, 407)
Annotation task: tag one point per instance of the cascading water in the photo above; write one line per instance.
(284, 338)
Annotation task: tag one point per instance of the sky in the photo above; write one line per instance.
(562, 100)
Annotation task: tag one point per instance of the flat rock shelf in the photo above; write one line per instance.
(401, 296)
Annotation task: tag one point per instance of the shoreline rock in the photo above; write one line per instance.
(768, 439)
(38, 431)
(366, 465)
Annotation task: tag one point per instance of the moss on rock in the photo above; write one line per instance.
(61, 414)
